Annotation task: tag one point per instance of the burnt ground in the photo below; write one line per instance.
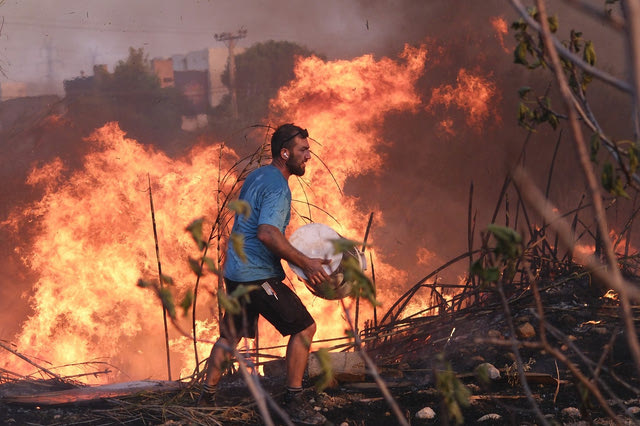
(421, 360)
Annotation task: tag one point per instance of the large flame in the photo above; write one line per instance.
(344, 104)
(95, 237)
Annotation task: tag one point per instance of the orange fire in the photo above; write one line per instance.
(425, 256)
(474, 95)
(96, 238)
(344, 103)
(501, 28)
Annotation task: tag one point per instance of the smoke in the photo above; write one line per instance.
(425, 184)
(429, 165)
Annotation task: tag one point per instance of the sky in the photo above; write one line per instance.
(46, 39)
(53, 40)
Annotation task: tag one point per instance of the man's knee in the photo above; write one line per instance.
(309, 331)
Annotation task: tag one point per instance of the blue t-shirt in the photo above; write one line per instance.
(267, 192)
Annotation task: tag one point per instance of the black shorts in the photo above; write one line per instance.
(277, 303)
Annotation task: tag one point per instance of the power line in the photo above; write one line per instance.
(165, 30)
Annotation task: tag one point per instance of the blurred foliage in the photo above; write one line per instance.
(195, 230)
(241, 207)
(361, 285)
(534, 110)
(326, 378)
(237, 242)
(499, 260)
(232, 303)
(261, 70)
(454, 393)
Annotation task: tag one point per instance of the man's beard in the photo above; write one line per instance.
(295, 168)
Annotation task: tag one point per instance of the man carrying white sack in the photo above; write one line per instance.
(266, 190)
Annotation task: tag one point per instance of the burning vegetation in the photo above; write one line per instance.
(532, 317)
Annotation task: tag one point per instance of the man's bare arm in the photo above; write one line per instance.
(273, 239)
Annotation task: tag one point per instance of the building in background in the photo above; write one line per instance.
(194, 85)
(197, 75)
(164, 70)
(211, 60)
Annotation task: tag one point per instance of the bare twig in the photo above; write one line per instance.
(160, 278)
(631, 10)
(19, 355)
(594, 188)
(519, 363)
(567, 54)
(599, 13)
(373, 370)
(563, 358)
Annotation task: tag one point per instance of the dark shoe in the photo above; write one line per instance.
(301, 412)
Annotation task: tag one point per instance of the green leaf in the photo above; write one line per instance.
(589, 54)
(211, 265)
(327, 289)
(519, 25)
(237, 242)
(342, 245)
(612, 183)
(492, 274)
(186, 302)
(520, 54)
(241, 207)
(633, 158)
(503, 233)
(243, 291)
(523, 112)
(361, 285)
(477, 268)
(229, 304)
(454, 394)
(326, 378)
(166, 279)
(487, 275)
(167, 301)
(195, 266)
(524, 91)
(586, 79)
(618, 189)
(553, 23)
(195, 229)
(144, 283)
(607, 177)
(508, 241)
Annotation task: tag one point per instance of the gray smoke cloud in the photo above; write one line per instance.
(424, 186)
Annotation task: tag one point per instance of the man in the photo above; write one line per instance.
(266, 189)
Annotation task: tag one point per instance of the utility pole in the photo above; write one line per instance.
(230, 41)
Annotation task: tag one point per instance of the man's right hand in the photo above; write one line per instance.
(314, 270)
(273, 239)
